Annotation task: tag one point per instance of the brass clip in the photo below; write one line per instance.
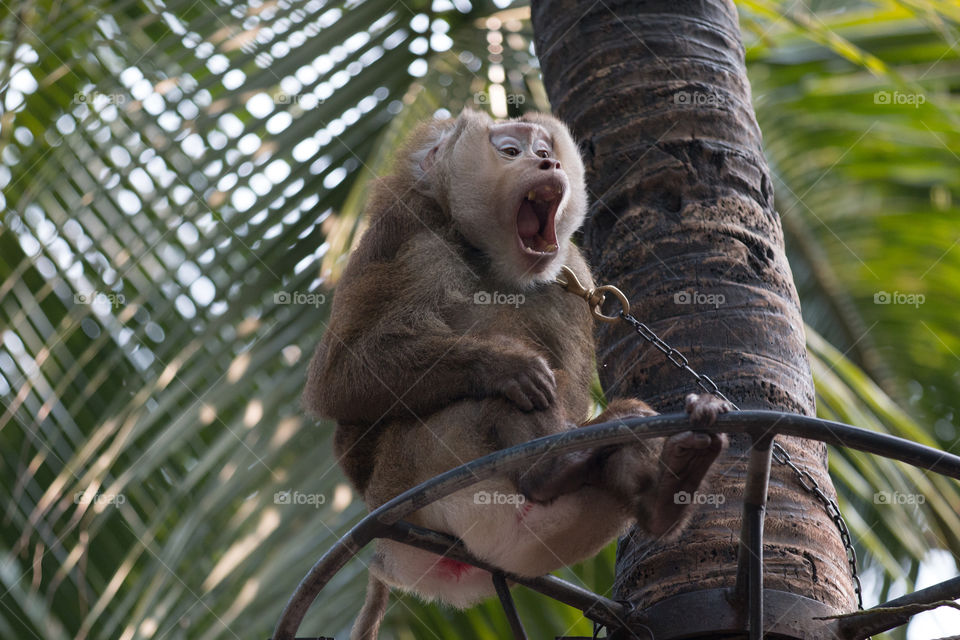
(594, 297)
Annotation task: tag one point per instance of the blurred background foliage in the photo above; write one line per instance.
(181, 181)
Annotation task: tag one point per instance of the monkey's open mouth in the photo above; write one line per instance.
(535, 219)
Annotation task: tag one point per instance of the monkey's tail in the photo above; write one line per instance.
(367, 626)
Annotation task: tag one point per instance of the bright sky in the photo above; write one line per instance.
(937, 567)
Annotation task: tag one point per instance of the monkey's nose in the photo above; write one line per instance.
(548, 164)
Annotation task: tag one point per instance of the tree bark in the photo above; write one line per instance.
(682, 220)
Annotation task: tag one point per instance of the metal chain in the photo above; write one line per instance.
(779, 453)
(833, 510)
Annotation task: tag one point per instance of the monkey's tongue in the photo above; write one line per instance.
(535, 226)
(528, 224)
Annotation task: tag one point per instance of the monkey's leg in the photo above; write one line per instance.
(495, 523)
(484, 516)
(684, 461)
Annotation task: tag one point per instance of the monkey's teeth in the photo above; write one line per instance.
(550, 248)
(532, 195)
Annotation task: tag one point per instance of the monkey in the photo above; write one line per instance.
(448, 340)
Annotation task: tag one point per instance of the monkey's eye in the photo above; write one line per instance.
(543, 153)
(513, 152)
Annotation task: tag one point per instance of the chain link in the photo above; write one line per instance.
(780, 454)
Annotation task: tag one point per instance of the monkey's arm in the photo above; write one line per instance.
(389, 353)
(414, 375)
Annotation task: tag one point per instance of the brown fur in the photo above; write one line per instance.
(420, 378)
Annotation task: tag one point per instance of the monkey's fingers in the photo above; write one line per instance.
(532, 384)
(545, 381)
(704, 409)
(537, 391)
(514, 392)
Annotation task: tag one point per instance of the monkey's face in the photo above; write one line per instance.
(520, 194)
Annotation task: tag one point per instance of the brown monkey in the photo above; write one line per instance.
(448, 341)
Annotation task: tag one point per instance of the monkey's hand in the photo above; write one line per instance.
(528, 382)
(704, 409)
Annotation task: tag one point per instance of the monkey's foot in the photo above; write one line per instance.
(685, 459)
(549, 478)
(704, 409)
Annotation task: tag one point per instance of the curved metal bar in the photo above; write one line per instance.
(756, 423)
(509, 608)
(896, 612)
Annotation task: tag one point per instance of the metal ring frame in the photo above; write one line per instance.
(746, 597)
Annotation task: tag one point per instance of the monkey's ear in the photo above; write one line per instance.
(428, 161)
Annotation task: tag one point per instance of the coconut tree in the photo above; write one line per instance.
(683, 218)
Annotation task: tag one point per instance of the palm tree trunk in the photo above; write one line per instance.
(682, 219)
